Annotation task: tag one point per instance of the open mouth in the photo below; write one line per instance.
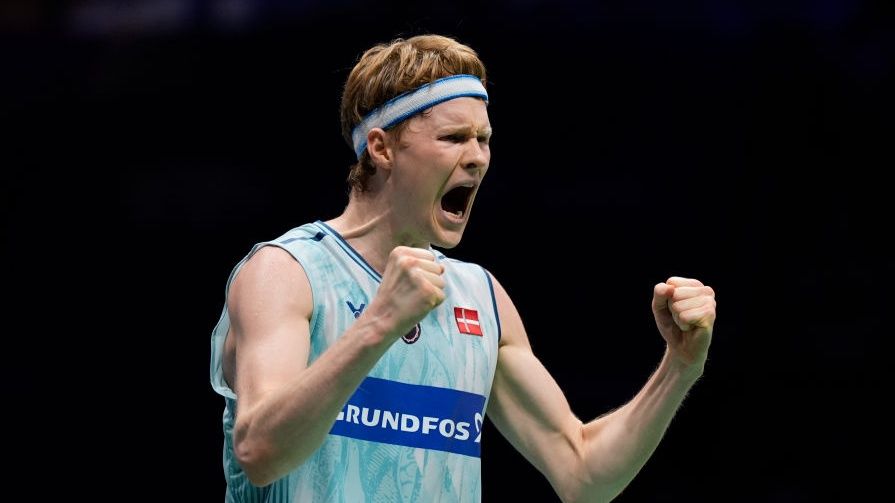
(456, 201)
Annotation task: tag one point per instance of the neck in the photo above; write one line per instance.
(371, 227)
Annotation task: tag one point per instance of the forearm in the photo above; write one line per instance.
(282, 428)
(619, 444)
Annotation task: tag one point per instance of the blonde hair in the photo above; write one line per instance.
(388, 70)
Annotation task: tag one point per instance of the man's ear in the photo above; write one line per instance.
(378, 148)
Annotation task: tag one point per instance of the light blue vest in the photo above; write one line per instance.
(412, 429)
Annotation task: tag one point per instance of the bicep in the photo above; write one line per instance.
(270, 306)
(528, 407)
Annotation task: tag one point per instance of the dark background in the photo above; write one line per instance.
(150, 144)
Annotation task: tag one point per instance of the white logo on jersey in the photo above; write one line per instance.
(425, 425)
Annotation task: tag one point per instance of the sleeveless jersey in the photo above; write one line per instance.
(412, 429)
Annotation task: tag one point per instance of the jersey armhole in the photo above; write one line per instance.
(493, 301)
(312, 323)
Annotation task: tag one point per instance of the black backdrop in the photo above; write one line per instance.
(151, 144)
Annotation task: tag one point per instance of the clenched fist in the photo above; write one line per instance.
(685, 314)
(412, 285)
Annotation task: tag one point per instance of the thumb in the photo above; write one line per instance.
(662, 292)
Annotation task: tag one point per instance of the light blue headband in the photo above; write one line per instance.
(405, 106)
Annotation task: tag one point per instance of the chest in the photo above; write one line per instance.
(454, 346)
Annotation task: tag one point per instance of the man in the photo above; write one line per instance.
(358, 363)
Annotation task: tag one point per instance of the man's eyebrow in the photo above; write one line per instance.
(466, 129)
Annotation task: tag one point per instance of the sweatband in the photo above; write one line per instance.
(406, 105)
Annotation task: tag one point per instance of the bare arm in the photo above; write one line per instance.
(596, 461)
(285, 406)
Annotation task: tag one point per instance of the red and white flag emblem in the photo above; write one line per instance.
(468, 321)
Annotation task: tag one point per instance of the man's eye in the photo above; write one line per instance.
(456, 138)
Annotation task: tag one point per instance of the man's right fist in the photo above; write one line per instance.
(412, 285)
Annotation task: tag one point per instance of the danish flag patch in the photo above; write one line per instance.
(468, 321)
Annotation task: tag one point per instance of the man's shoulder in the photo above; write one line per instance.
(442, 257)
(461, 266)
(306, 232)
(298, 242)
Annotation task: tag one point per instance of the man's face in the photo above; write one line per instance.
(439, 163)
